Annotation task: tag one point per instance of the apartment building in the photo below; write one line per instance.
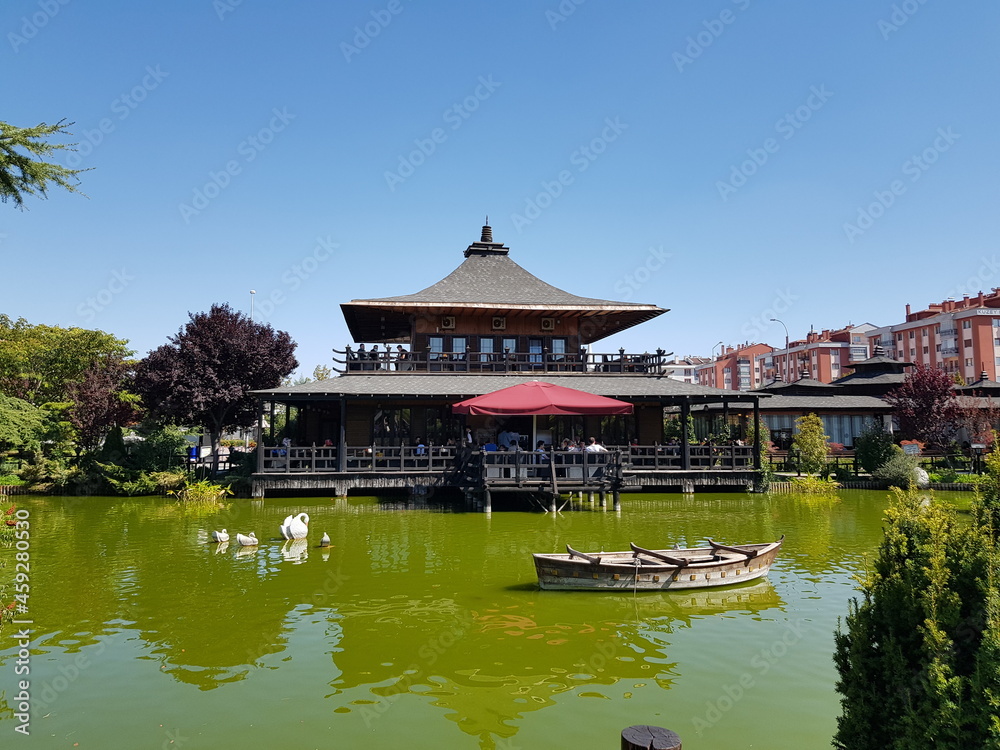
(683, 368)
(958, 336)
(735, 368)
(823, 355)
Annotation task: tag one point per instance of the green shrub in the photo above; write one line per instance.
(814, 485)
(873, 447)
(841, 473)
(898, 470)
(917, 656)
(169, 480)
(10, 480)
(810, 443)
(201, 492)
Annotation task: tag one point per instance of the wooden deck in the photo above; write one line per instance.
(319, 470)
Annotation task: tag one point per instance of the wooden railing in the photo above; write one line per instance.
(351, 360)
(564, 467)
(445, 458)
(667, 457)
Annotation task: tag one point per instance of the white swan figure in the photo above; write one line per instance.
(295, 527)
(220, 536)
(250, 540)
(325, 541)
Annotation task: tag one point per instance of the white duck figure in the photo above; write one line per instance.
(249, 540)
(220, 536)
(295, 527)
(325, 541)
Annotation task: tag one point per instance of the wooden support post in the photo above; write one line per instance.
(756, 433)
(590, 497)
(552, 502)
(342, 437)
(617, 499)
(604, 499)
(260, 438)
(685, 447)
(487, 502)
(644, 737)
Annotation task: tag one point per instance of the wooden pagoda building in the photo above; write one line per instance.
(385, 421)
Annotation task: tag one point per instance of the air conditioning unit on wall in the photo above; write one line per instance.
(499, 323)
(548, 324)
(448, 323)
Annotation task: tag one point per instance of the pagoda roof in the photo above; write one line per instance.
(984, 386)
(490, 283)
(803, 385)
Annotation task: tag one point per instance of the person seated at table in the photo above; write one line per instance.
(594, 447)
(421, 449)
(566, 445)
(402, 358)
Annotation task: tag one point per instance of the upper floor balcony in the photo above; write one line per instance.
(352, 360)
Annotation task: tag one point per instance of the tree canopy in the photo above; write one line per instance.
(101, 401)
(22, 425)
(926, 406)
(204, 375)
(38, 363)
(23, 169)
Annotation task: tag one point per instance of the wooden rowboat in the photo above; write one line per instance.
(656, 570)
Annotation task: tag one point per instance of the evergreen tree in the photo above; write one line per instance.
(810, 443)
(22, 168)
(919, 661)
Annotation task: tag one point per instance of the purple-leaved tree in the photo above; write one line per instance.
(205, 374)
(926, 405)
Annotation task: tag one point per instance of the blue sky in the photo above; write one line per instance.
(821, 162)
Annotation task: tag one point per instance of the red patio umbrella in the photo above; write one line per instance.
(537, 397)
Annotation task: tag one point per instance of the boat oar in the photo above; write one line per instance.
(677, 561)
(589, 558)
(750, 554)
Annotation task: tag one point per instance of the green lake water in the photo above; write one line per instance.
(423, 628)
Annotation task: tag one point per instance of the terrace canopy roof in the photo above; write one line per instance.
(538, 397)
(488, 282)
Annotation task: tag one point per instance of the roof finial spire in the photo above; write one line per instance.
(487, 231)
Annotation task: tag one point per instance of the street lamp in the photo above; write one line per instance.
(715, 377)
(252, 293)
(775, 320)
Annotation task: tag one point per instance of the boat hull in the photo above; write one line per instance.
(618, 570)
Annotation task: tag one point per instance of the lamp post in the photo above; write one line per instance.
(715, 377)
(253, 292)
(775, 320)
